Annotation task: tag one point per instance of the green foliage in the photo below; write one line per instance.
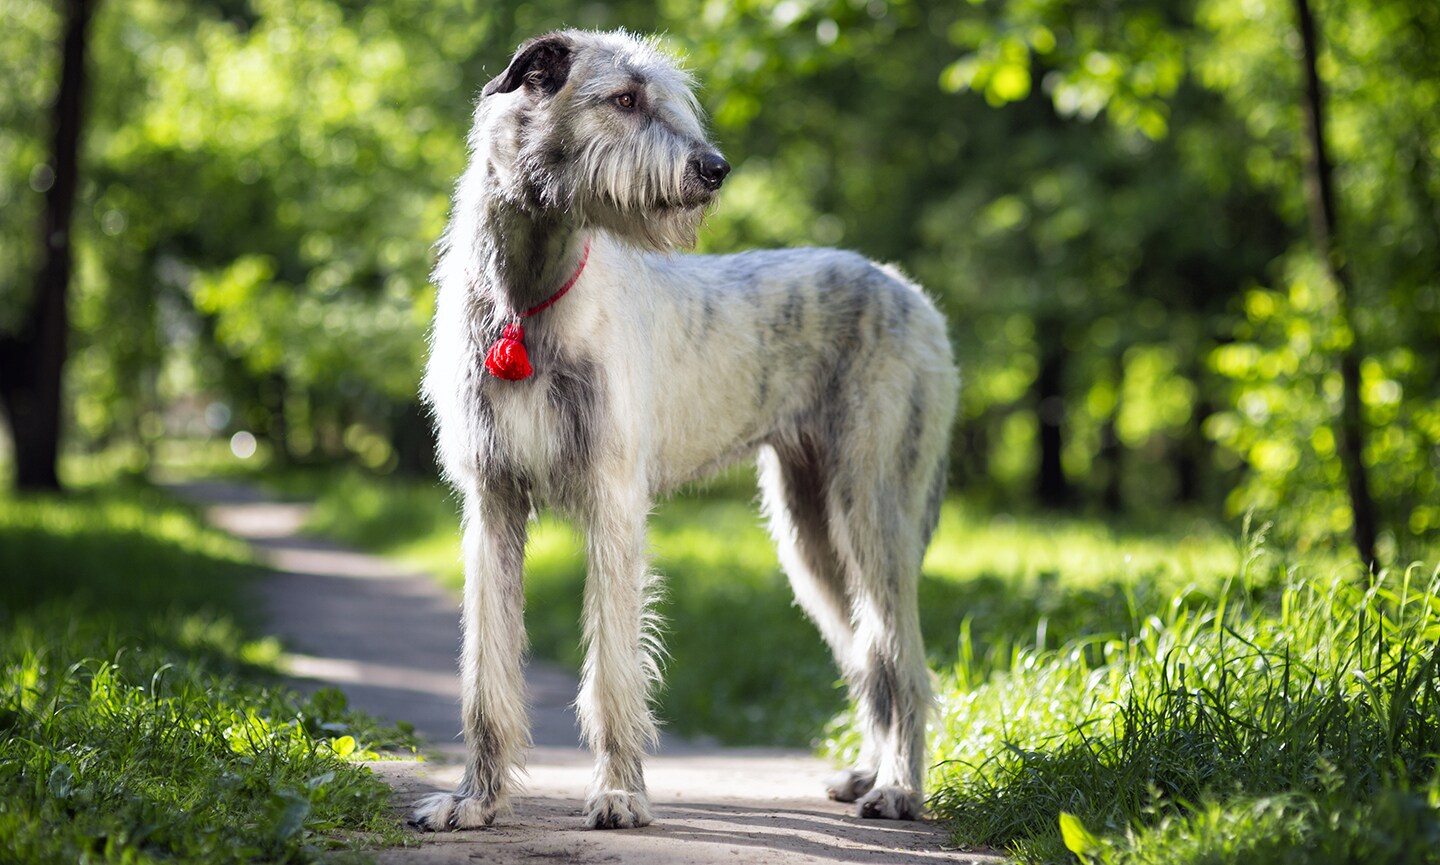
(1077, 838)
(25, 28)
(1286, 399)
(1090, 59)
(140, 722)
(996, 584)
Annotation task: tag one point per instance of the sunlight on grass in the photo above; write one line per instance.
(1085, 552)
(139, 717)
(721, 579)
(116, 550)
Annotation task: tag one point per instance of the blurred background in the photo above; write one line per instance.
(1107, 199)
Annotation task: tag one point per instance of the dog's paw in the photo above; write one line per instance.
(446, 812)
(849, 785)
(617, 809)
(890, 803)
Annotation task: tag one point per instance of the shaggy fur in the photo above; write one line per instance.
(657, 369)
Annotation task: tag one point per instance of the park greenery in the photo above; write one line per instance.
(141, 719)
(1173, 603)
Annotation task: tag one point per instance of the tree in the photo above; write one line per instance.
(1377, 74)
(1320, 186)
(32, 361)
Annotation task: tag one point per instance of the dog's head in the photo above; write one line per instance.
(606, 127)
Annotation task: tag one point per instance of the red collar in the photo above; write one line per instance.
(569, 283)
(507, 358)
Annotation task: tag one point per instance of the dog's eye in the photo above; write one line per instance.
(625, 101)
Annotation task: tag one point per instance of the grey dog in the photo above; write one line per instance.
(578, 362)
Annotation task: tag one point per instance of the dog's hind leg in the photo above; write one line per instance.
(881, 509)
(492, 678)
(891, 682)
(620, 669)
(794, 491)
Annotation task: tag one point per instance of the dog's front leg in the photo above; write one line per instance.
(620, 669)
(492, 678)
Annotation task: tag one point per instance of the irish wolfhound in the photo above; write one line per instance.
(577, 362)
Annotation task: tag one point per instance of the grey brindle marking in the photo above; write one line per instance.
(654, 370)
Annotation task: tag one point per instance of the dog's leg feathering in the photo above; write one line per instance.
(890, 679)
(794, 486)
(620, 669)
(492, 679)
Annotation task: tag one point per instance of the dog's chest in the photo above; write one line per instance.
(521, 421)
(544, 426)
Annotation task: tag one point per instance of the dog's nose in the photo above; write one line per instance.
(712, 169)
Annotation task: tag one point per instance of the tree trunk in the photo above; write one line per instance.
(1192, 455)
(1112, 450)
(273, 390)
(413, 438)
(1319, 177)
(1051, 487)
(32, 361)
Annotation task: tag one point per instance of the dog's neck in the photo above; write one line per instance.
(525, 258)
(515, 256)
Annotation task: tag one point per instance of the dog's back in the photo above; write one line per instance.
(756, 345)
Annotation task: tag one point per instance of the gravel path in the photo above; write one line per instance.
(389, 638)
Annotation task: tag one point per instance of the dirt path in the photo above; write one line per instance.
(389, 639)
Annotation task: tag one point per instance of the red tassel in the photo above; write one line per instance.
(507, 358)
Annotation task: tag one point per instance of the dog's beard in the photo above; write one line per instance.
(660, 228)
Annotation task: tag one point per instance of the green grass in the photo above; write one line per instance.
(1300, 727)
(1172, 697)
(139, 718)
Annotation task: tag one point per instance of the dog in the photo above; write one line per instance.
(577, 361)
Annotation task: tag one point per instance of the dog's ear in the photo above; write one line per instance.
(543, 63)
